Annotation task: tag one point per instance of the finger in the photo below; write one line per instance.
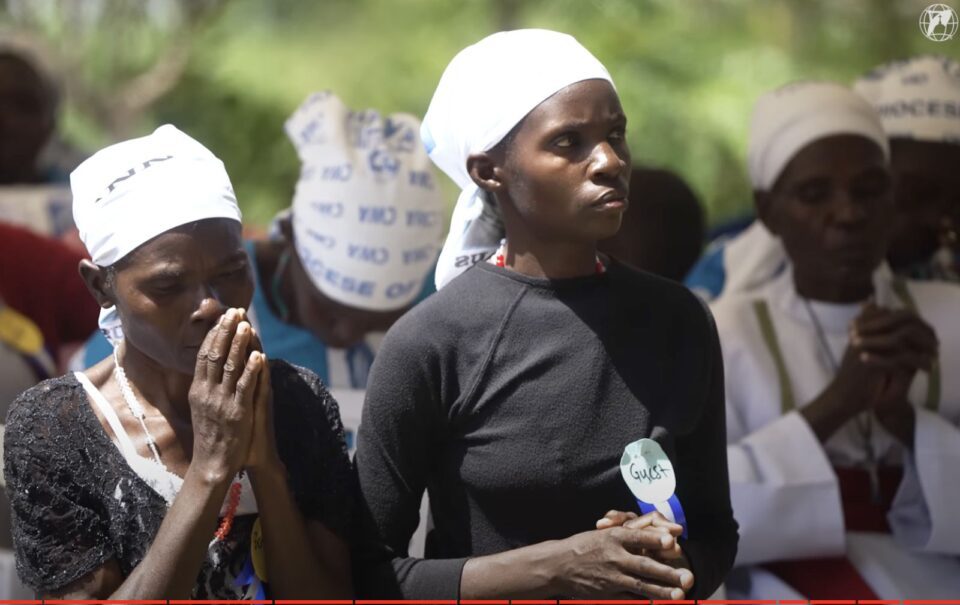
(667, 556)
(908, 324)
(233, 366)
(615, 518)
(263, 389)
(217, 353)
(918, 341)
(884, 321)
(905, 359)
(656, 520)
(649, 568)
(629, 587)
(635, 540)
(255, 343)
(247, 383)
(200, 368)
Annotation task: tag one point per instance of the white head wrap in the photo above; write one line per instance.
(367, 212)
(128, 193)
(791, 117)
(917, 99)
(486, 90)
(785, 121)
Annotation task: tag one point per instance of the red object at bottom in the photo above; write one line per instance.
(836, 577)
(833, 578)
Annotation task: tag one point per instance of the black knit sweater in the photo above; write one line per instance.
(510, 400)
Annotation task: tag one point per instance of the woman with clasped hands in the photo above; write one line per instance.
(185, 465)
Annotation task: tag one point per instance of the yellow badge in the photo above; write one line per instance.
(19, 333)
(257, 554)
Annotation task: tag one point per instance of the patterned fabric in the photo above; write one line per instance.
(77, 503)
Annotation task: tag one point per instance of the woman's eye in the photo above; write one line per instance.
(166, 288)
(235, 273)
(618, 135)
(813, 193)
(565, 141)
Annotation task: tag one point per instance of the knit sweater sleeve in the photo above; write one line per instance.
(703, 483)
(402, 418)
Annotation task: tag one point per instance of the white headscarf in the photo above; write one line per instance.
(791, 117)
(784, 121)
(917, 99)
(128, 193)
(486, 90)
(367, 212)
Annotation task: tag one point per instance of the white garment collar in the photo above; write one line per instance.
(834, 317)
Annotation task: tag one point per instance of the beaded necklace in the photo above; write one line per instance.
(133, 404)
(500, 259)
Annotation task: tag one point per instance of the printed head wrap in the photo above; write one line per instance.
(367, 212)
(917, 99)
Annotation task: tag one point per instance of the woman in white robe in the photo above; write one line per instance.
(842, 396)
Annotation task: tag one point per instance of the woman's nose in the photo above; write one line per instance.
(210, 307)
(606, 161)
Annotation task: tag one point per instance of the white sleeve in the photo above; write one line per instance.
(924, 512)
(785, 494)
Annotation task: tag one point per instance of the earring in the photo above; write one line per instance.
(946, 257)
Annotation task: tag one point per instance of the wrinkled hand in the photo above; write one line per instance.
(263, 448)
(886, 349)
(222, 398)
(611, 563)
(653, 520)
(897, 344)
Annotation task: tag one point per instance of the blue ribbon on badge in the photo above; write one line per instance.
(674, 503)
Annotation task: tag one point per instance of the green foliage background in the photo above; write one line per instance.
(688, 71)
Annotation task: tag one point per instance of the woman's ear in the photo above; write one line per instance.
(485, 172)
(95, 278)
(763, 201)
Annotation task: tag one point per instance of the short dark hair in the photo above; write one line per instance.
(49, 88)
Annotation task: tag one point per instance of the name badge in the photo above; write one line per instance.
(649, 474)
(648, 471)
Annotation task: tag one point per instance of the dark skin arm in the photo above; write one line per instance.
(610, 562)
(305, 560)
(899, 343)
(173, 561)
(887, 348)
(221, 402)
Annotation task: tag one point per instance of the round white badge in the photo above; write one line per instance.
(647, 471)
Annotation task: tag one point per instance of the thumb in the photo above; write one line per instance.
(261, 395)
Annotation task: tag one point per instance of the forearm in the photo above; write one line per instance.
(294, 566)
(825, 414)
(900, 422)
(523, 573)
(172, 564)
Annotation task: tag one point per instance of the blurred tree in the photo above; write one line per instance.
(230, 72)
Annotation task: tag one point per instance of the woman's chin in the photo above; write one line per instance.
(604, 226)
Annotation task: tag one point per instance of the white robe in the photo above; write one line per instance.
(784, 490)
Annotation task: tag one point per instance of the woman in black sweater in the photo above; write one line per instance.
(510, 396)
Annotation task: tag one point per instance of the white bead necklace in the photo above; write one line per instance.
(133, 404)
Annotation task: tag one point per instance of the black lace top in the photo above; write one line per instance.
(76, 502)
